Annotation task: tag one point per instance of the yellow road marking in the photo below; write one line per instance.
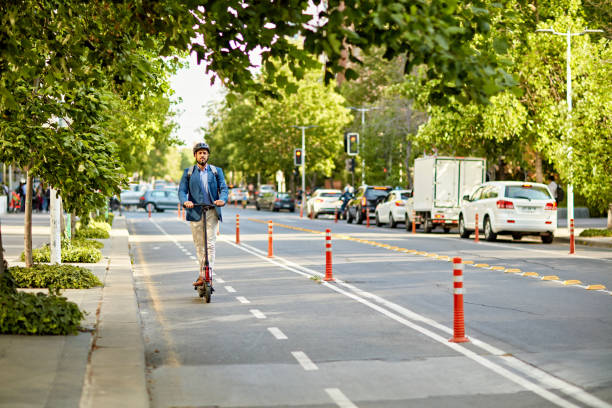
(512, 270)
(468, 262)
(572, 282)
(533, 274)
(498, 268)
(481, 265)
(550, 277)
(596, 287)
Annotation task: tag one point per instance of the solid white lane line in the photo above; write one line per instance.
(257, 314)
(527, 370)
(242, 299)
(277, 333)
(339, 398)
(304, 361)
(229, 289)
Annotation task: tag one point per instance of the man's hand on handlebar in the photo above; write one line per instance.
(218, 203)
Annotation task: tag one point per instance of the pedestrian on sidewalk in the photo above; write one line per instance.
(203, 183)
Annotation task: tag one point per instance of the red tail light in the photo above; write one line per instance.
(319, 200)
(399, 204)
(551, 206)
(505, 204)
(142, 198)
(276, 201)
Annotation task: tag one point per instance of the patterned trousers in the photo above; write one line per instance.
(197, 231)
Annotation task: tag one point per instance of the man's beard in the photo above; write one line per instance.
(202, 162)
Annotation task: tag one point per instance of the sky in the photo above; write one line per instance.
(193, 86)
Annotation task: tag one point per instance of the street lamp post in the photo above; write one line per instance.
(363, 110)
(568, 36)
(303, 162)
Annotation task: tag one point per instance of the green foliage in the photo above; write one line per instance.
(103, 218)
(79, 249)
(26, 313)
(594, 232)
(96, 229)
(54, 276)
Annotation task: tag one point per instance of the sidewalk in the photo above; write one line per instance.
(102, 366)
(580, 224)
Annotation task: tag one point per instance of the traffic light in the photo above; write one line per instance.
(298, 157)
(352, 144)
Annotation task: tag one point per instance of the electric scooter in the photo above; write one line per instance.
(206, 289)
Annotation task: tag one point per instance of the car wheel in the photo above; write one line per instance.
(517, 237)
(428, 226)
(446, 230)
(316, 215)
(463, 233)
(257, 207)
(547, 238)
(392, 222)
(275, 209)
(408, 223)
(378, 223)
(359, 217)
(488, 231)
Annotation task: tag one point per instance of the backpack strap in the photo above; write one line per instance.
(212, 168)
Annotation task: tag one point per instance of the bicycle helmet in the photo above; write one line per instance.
(200, 146)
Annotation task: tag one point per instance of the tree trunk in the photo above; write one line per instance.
(407, 163)
(27, 233)
(610, 216)
(1, 254)
(538, 167)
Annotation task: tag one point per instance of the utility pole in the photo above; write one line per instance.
(568, 36)
(304, 161)
(363, 110)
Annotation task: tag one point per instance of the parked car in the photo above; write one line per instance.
(237, 194)
(322, 201)
(159, 200)
(509, 208)
(366, 198)
(275, 201)
(392, 209)
(131, 196)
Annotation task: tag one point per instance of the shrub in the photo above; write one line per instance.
(54, 276)
(79, 250)
(594, 232)
(92, 232)
(27, 313)
(102, 218)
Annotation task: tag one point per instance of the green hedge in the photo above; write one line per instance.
(594, 232)
(55, 276)
(27, 313)
(70, 254)
(92, 232)
(102, 218)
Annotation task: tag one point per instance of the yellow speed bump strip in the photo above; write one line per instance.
(550, 277)
(498, 268)
(512, 270)
(468, 262)
(596, 287)
(481, 265)
(572, 282)
(532, 274)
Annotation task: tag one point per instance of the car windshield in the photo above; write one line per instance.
(528, 192)
(330, 195)
(283, 195)
(372, 194)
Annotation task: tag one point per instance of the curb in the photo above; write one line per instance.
(115, 375)
(584, 241)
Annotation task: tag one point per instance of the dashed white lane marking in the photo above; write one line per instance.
(242, 299)
(155, 248)
(257, 314)
(530, 371)
(339, 398)
(304, 361)
(229, 288)
(192, 257)
(220, 280)
(277, 333)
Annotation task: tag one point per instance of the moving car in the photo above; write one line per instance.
(322, 201)
(237, 194)
(366, 198)
(514, 208)
(392, 209)
(159, 200)
(275, 201)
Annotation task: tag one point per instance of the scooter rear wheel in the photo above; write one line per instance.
(207, 292)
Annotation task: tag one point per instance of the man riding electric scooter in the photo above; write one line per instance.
(203, 187)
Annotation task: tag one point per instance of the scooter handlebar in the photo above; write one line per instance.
(204, 206)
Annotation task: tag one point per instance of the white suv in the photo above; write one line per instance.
(509, 207)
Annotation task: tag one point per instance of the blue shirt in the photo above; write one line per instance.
(204, 185)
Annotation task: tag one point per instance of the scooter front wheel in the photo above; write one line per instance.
(207, 292)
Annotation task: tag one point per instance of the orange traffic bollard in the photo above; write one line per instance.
(459, 324)
(572, 242)
(367, 217)
(476, 239)
(184, 214)
(178, 214)
(336, 215)
(149, 208)
(301, 210)
(328, 257)
(413, 222)
(270, 250)
(237, 228)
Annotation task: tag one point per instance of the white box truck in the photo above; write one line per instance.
(439, 185)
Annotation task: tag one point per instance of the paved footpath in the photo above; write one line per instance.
(103, 365)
